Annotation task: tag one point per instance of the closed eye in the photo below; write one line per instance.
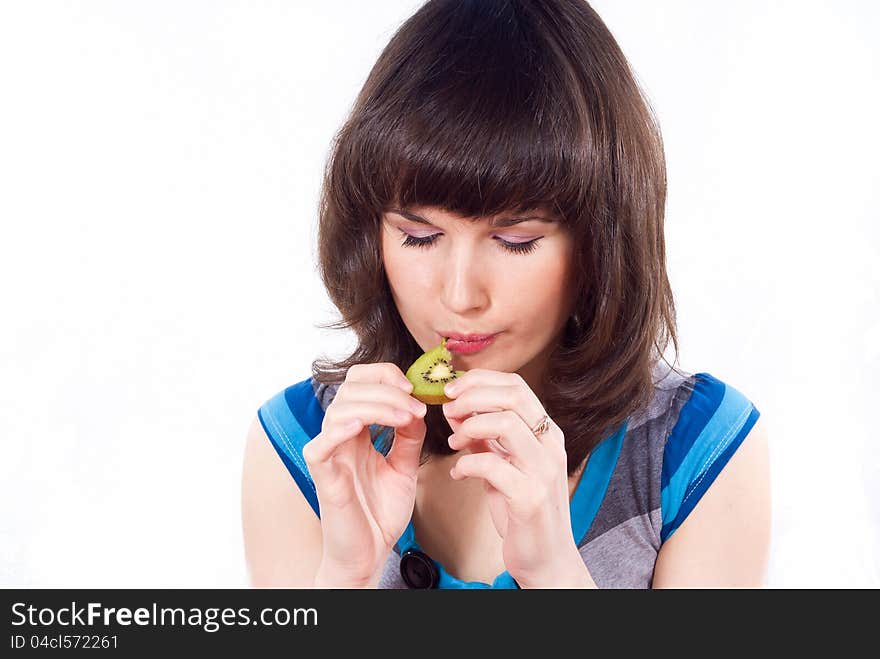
(428, 241)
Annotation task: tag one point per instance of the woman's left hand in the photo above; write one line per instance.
(526, 477)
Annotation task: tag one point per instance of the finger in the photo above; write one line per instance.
(318, 450)
(478, 445)
(486, 398)
(344, 422)
(502, 475)
(369, 392)
(367, 412)
(508, 429)
(481, 376)
(406, 449)
(494, 398)
(384, 373)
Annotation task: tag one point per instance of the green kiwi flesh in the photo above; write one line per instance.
(430, 372)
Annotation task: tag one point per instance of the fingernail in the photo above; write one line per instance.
(450, 388)
(417, 407)
(449, 439)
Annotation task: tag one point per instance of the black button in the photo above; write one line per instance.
(418, 570)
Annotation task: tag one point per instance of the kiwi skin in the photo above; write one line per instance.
(430, 373)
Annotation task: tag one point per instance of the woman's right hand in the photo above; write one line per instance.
(366, 499)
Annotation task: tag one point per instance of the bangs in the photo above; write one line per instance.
(478, 119)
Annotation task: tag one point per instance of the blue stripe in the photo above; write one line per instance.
(696, 491)
(704, 401)
(305, 407)
(600, 466)
(288, 438)
(710, 443)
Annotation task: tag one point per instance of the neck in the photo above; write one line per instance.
(533, 371)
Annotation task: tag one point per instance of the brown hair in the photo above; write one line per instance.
(494, 106)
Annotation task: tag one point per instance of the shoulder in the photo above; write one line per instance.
(715, 494)
(713, 419)
(279, 507)
(291, 418)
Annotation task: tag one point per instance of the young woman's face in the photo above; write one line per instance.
(481, 278)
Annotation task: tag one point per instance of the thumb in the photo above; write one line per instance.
(407, 447)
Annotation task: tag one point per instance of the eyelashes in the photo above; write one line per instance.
(428, 241)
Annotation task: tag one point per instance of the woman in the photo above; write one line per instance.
(500, 183)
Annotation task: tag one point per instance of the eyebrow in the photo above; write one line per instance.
(496, 222)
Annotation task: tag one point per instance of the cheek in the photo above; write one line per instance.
(408, 270)
(395, 263)
(540, 285)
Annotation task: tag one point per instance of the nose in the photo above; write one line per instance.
(464, 282)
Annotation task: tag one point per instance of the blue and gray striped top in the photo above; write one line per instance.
(640, 483)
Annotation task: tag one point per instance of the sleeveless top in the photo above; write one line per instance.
(638, 486)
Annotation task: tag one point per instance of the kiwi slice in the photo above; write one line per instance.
(430, 372)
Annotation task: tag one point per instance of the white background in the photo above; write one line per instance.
(159, 171)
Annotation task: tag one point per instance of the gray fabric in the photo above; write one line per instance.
(391, 573)
(622, 543)
(624, 556)
(621, 546)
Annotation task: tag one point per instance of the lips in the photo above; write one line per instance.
(455, 336)
(466, 344)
